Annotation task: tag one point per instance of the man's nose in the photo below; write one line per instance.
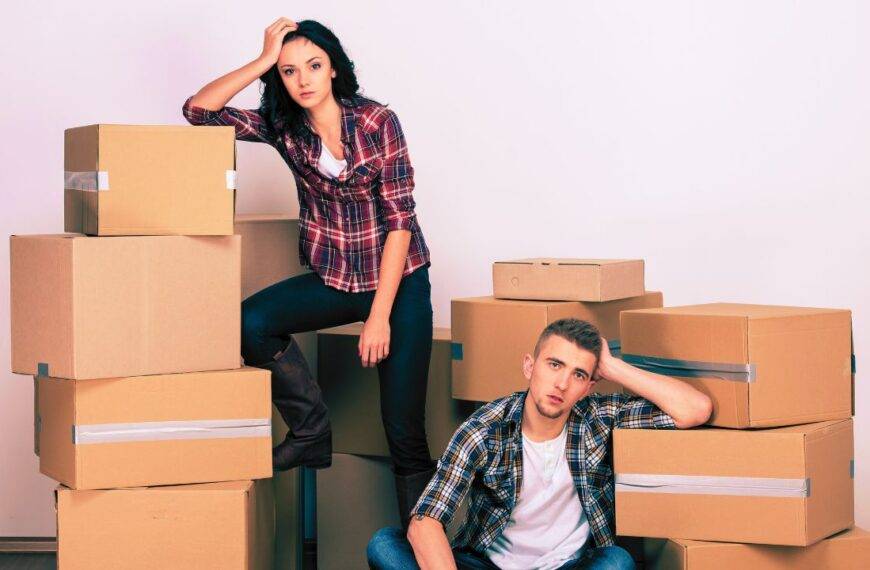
(562, 381)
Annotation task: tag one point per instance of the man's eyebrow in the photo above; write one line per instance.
(556, 360)
(309, 61)
(578, 369)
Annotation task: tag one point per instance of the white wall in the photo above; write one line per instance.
(724, 142)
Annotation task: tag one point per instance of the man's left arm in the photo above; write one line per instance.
(687, 406)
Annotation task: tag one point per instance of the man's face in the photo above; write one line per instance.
(559, 377)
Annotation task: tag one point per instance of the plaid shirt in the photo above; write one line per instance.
(344, 221)
(485, 458)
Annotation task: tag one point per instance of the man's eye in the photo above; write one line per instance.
(554, 365)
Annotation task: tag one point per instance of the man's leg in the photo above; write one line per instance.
(605, 558)
(466, 560)
(390, 550)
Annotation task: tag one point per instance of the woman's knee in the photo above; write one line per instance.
(254, 332)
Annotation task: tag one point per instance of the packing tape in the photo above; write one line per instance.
(693, 368)
(231, 179)
(713, 485)
(456, 350)
(42, 369)
(91, 181)
(615, 347)
(159, 431)
(851, 468)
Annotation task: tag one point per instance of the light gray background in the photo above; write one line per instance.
(724, 142)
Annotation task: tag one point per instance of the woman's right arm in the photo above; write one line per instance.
(208, 105)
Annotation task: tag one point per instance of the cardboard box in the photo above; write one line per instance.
(86, 307)
(490, 337)
(214, 525)
(762, 365)
(270, 245)
(270, 250)
(849, 550)
(156, 430)
(352, 394)
(548, 279)
(355, 498)
(790, 486)
(149, 180)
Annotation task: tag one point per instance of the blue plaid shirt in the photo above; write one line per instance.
(484, 459)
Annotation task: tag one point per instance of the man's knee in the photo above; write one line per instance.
(381, 550)
(614, 558)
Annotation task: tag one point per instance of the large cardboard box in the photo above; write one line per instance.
(352, 394)
(762, 365)
(87, 307)
(149, 180)
(355, 498)
(213, 525)
(156, 430)
(490, 337)
(789, 486)
(849, 550)
(270, 250)
(270, 245)
(549, 279)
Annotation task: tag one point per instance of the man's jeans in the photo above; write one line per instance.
(390, 550)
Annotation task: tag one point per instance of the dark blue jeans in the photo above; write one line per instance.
(390, 550)
(305, 303)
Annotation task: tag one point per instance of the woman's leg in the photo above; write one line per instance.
(269, 318)
(403, 380)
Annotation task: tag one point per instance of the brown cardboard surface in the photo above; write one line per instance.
(352, 394)
(163, 180)
(355, 498)
(216, 525)
(269, 250)
(225, 395)
(821, 452)
(848, 550)
(490, 337)
(802, 358)
(270, 254)
(549, 279)
(124, 306)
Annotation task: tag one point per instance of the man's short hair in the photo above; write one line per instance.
(582, 333)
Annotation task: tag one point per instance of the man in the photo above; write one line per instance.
(536, 464)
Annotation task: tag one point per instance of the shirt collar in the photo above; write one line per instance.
(514, 412)
(348, 120)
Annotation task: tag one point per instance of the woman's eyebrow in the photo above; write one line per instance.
(309, 61)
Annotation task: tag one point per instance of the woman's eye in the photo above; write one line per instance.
(288, 71)
(315, 66)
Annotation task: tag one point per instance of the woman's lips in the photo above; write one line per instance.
(306, 94)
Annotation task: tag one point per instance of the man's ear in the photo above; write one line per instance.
(528, 364)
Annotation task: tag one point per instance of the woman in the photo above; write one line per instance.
(359, 234)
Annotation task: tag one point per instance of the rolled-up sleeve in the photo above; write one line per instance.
(397, 177)
(250, 124)
(453, 476)
(633, 412)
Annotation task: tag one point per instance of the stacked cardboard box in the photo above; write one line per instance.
(783, 377)
(143, 410)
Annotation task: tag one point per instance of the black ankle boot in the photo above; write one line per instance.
(408, 491)
(297, 396)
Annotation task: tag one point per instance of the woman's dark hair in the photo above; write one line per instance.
(277, 105)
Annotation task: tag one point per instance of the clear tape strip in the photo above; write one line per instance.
(693, 368)
(713, 485)
(90, 181)
(169, 430)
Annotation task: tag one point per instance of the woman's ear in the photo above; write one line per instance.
(334, 74)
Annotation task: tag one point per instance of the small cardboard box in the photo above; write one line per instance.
(548, 279)
(270, 250)
(156, 430)
(352, 394)
(848, 550)
(355, 498)
(211, 525)
(490, 337)
(87, 307)
(149, 180)
(789, 486)
(762, 365)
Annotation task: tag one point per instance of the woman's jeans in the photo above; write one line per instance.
(305, 303)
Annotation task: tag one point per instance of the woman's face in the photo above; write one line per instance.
(306, 72)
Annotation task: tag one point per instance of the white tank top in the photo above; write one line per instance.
(547, 526)
(328, 165)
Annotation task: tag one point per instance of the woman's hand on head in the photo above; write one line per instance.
(273, 39)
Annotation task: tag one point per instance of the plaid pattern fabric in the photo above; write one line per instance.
(484, 459)
(343, 221)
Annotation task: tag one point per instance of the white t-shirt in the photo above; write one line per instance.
(328, 165)
(547, 526)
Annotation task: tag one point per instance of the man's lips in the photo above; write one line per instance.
(555, 399)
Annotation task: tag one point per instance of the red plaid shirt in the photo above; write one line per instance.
(344, 221)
